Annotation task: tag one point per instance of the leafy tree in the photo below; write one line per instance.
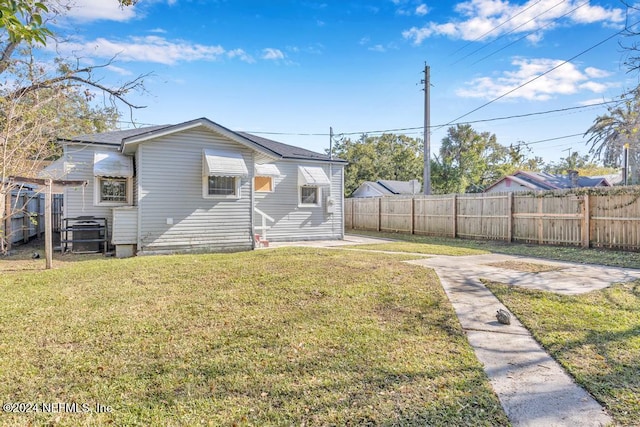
(469, 161)
(388, 156)
(610, 132)
(41, 101)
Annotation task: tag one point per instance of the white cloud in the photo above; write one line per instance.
(241, 54)
(422, 10)
(92, 10)
(146, 49)
(596, 73)
(378, 48)
(119, 70)
(486, 19)
(567, 79)
(272, 54)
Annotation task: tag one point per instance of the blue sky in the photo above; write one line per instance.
(289, 70)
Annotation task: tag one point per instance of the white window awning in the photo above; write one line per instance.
(223, 163)
(312, 176)
(267, 169)
(106, 163)
(57, 169)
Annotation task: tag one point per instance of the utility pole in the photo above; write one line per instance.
(625, 170)
(427, 131)
(330, 143)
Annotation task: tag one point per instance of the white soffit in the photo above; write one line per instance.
(112, 164)
(310, 175)
(223, 163)
(267, 169)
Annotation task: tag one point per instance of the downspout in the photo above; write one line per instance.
(252, 202)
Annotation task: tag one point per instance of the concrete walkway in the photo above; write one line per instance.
(533, 389)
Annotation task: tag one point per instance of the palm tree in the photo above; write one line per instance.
(610, 132)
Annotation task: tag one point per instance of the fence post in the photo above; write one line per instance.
(586, 221)
(379, 213)
(39, 215)
(26, 218)
(413, 213)
(510, 217)
(540, 222)
(8, 231)
(454, 216)
(353, 214)
(48, 238)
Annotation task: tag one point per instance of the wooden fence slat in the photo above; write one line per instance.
(601, 219)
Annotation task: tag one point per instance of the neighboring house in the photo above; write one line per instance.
(527, 181)
(387, 188)
(198, 186)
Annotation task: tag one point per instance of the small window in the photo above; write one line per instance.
(310, 196)
(222, 186)
(263, 184)
(113, 190)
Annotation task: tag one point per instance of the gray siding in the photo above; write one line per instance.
(174, 216)
(125, 226)
(79, 201)
(293, 222)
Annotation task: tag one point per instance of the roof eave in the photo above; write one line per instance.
(133, 141)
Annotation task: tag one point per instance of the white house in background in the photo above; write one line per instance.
(384, 187)
(198, 186)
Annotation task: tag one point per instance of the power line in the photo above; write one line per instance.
(530, 32)
(415, 128)
(541, 75)
(493, 29)
(518, 27)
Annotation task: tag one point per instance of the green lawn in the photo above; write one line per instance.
(418, 248)
(559, 253)
(280, 337)
(595, 336)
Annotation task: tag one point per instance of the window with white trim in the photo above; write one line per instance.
(112, 191)
(226, 186)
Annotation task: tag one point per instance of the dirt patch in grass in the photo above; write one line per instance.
(524, 267)
(292, 336)
(21, 258)
(595, 336)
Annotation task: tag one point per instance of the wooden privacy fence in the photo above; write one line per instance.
(26, 215)
(581, 217)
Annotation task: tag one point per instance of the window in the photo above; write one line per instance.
(263, 184)
(112, 191)
(310, 196)
(222, 186)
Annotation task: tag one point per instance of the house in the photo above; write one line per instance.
(198, 186)
(387, 188)
(540, 181)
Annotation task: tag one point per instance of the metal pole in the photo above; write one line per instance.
(427, 132)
